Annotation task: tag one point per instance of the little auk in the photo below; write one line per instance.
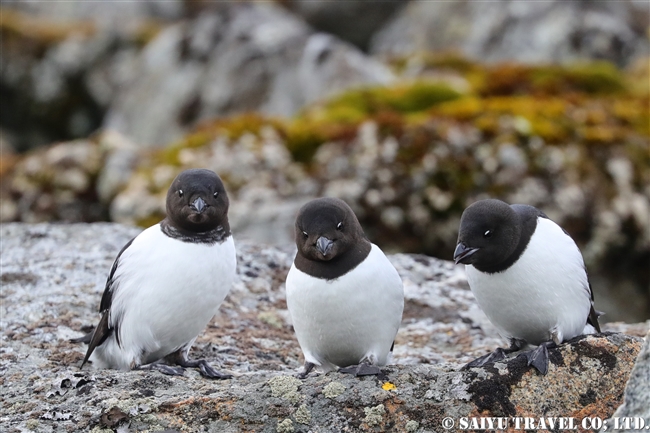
(344, 296)
(528, 276)
(167, 283)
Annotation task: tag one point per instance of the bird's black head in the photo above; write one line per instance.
(326, 228)
(489, 234)
(197, 201)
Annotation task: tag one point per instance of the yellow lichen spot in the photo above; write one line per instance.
(387, 386)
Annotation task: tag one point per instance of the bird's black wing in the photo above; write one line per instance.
(103, 329)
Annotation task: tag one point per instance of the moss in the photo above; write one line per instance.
(338, 119)
(587, 102)
(461, 109)
(248, 123)
(596, 78)
(233, 127)
(637, 77)
(302, 139)
(44, 32)
(169, 155)
(450, 61)
(417, 96)
(548, 100)
(406, 97)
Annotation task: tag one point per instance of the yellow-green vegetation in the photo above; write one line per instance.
(21, 30)
(18, 25)
(554, 119)
(598, 77)
(591, 103)
(230, 127)
(403, 98)
(336, 119)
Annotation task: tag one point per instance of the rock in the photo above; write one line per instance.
(533, 32)
(105, 14)
(266, 187)
(56, 184)
(120, 163)
(236, 58)
(636, 403)
(62, 66)
(354, 21)
(66, 71)
(52, 298)
(73, 181)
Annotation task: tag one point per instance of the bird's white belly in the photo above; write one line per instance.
(163, 303)
(340, 322)
(545, 291)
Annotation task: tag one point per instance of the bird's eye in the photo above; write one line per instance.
(180, 193)
(305, 234)
(215, 194)
(487, 234)
(339, 226)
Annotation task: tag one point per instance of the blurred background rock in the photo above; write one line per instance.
(408, 110)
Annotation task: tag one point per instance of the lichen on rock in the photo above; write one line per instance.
(374, 415)
(333, 389)
(55, 298)
(285, 387)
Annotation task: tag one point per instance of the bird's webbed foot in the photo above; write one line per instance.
(180, 358)
(169, 370)
(306, 369)
(538, 357)
(498, 355)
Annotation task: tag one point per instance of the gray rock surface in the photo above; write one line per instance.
(106, 14)
(60, 71)
(52, 278)
(548, 31)
(73, 181)
(239, 57)
(636, 403)
(68, 70)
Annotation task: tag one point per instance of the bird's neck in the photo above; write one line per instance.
(216, 235)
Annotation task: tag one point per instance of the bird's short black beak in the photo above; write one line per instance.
(199, 205)
(324, 245)
(463, 253)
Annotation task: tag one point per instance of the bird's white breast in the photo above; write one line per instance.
(546, 289)
(338, 322)
(166, 293)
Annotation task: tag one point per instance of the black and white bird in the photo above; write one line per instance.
(344, 296)
(168, 282)
(527, 275)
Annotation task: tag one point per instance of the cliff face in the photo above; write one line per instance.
(52, 280)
